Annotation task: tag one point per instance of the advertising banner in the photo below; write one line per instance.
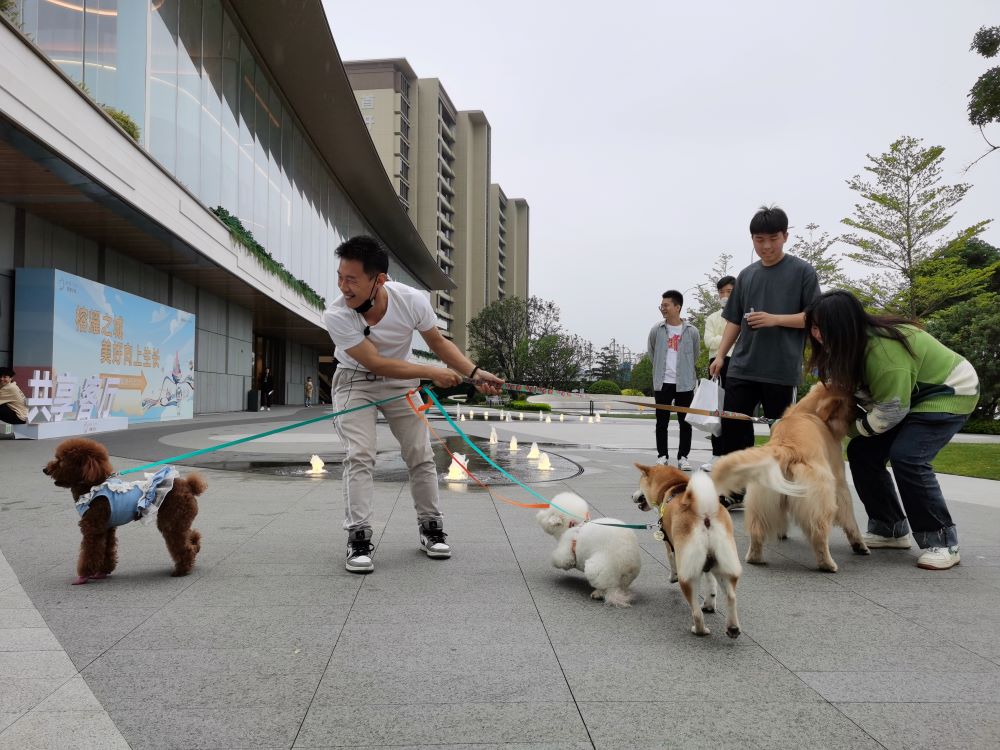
(87, 351)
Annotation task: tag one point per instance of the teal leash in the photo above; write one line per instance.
(515, 480)
(259, 435)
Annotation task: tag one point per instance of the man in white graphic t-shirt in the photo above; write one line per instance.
(371, 325)
(673, 349)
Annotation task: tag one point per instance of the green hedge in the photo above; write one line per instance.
(528, 406)
(242, 236)
(982, 427)
(632, 392)
(607, 387)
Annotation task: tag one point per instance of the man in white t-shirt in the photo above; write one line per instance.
(372, 325)
(673, 347)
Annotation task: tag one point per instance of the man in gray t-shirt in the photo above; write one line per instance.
(766, 312)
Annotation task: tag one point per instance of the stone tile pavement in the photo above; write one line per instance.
(271, 644)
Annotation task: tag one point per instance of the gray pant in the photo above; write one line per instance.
(351, 388)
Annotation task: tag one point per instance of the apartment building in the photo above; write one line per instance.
(439, 159)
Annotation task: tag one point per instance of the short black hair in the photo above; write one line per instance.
(725, 281)
(674, 296)
(769, 220)
(374, 258)
(8, 371)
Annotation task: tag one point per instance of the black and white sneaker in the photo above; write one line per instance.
(432, 539)
(360, 550)
(733, 502)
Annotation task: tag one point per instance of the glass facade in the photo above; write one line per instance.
(210, 115)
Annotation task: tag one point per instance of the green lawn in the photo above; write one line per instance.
(981, 460)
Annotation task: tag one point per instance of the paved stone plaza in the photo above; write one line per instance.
(270, 643)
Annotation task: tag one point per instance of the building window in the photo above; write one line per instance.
(404, 128)
(404, 149)
(367, 102)
(404, 191)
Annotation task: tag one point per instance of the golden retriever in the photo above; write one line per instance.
(798, 473)
(698, 534)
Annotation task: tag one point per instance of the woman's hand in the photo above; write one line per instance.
(488, 383)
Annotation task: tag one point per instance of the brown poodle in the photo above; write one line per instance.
(81, 465)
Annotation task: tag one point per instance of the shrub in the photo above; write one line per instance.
(982, 427)
(528, 406)
(632, 392)
(608, 387)
(125, 122)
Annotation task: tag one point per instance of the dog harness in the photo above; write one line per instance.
(131, 501)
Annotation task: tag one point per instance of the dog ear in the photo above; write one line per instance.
(642, 468)
(94, 470)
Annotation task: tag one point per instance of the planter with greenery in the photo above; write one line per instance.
(528, 406)
(244, 237)
(124, 120)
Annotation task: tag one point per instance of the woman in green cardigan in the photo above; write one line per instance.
(915, 394)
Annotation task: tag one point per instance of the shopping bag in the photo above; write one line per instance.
(710, 397)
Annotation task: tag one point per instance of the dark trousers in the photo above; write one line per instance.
(7, 415)
(265, 397)
(744, 396)
(716, 440)
(668, 394)
(910, 447)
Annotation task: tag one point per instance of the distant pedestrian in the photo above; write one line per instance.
(266, 389)
(309, 391)
(916, 393)
(715, 326)
(673, 347)
(13, 407)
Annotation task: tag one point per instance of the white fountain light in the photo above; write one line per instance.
(590, 420)
(543, 462)
(493, 436)
(457, 469)
(520, 415)
(562, 417)
(461, 417)
(486, 416)
(548, 419)
(581, 417)
(513, 445)
(597, 417)
(534, 453)
(317, 465)
(540, 416)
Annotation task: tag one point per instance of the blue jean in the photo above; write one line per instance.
(910, 447)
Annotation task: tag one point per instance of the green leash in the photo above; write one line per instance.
(259, 435)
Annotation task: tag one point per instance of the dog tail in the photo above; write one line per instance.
(732, 473)
(706, 497)
(196, 485)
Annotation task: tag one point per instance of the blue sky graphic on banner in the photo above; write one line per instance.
(148, 347)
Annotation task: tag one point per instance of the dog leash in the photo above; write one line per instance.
(296, 425)
(515, 480)
(721, 413)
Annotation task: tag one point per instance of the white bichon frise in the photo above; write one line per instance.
(608, 555)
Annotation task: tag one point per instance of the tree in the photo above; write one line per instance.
(972, 328)
(816, 251)
(706, 295)
(904, 212)
(642, 376)
(607, 364)
(984, 98)
(523, 341)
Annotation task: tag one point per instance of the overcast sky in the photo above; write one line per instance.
(645, 134)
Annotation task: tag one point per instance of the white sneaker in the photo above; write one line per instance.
(262, 408)
(683, 464)
(269, 408)
(663, 461)
(874, 541)
(939, 558)
(432, 539)
(707, 466)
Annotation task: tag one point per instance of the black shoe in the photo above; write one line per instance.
(432, 538)
(733, 502)
(360, 550)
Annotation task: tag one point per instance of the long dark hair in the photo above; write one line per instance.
(845, 326)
